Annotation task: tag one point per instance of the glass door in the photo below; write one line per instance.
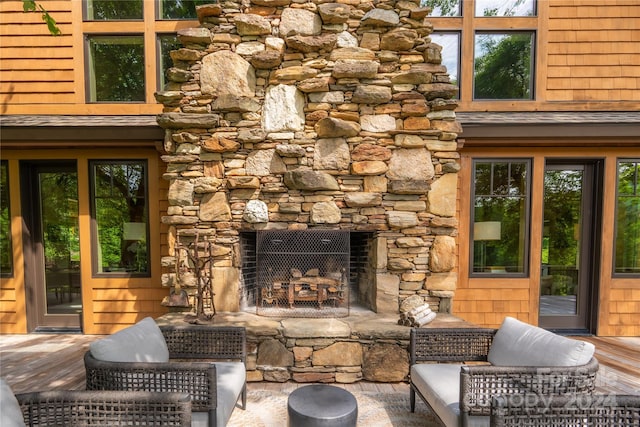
(53, 261)
(567, 274)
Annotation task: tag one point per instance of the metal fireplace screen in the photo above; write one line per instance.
(302, 273)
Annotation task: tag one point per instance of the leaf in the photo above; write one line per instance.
(28, 5)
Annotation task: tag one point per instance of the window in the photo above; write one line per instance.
(166, 43)
(109, 10)
(120, 217)
(179, 9)
(503, 66)
(627, 243)
(6, 251)
(500, 217)
(116, 68)
(450, 43)
(505, 7)
(444, 7)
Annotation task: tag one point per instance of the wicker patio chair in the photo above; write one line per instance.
(479, 382)
(192, 349)
(590, 410)
(105, 408)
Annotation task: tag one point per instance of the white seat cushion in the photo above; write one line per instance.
(230, 380)
(519, 344)
(440, 386)
(142, 342)
(10, 413)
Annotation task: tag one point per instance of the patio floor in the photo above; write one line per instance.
(36, 362)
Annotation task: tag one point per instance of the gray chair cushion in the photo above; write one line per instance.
(10, 413)
(519, 344)
(142, 342)
(230, 379)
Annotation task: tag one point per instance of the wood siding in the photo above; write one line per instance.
(486, 301)
(593, 51)
(36, 67)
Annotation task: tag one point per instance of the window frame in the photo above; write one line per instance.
(526, 268)
(532, 74)
(85, 15)
(467, 24)
(90, 72)
(616, 274)
(161, 78)
(458, 54)
(93, 221)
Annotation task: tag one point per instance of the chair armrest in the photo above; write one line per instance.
(198, 379)
(560, 411)
(80, 408)
(450, 344)
(206, 342)
(478, 384)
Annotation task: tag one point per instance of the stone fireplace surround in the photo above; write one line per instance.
(288, 115)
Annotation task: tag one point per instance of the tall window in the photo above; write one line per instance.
(166, 43)
(6, 252)
(116, 68)
(450, 43)
(120, 215)
(503, 66)
(500, 216)
(627, 244)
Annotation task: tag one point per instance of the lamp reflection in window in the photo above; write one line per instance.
(483, 232)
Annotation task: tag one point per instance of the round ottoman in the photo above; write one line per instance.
(321, 405)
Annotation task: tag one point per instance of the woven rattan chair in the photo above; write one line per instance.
(192, 349)
(590, 410)
(105, 408)
(479, 382)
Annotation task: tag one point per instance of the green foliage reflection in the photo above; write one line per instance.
(6, 258)
(120, 210)
(503, 66)
(628, 218)
(118, 68)
(105, 10)
(180, 9)
(500, 191)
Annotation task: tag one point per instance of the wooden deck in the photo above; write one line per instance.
(38, 362)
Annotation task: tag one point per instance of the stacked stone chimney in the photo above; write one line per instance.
(291, 115)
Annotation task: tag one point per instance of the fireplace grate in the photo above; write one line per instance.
(302, 273)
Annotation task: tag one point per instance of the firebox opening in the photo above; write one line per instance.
(306, 273)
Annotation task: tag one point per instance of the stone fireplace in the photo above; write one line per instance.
(307, 117)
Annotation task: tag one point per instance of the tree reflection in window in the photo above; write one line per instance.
(110, 10)
(500, 216)
(505, 7)
(444, 7)
(503, 66)
(627, 244)
(116, 68)
(179, 9)
(6, 252)
(120, 214)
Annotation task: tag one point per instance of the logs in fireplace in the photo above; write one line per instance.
(302, 273)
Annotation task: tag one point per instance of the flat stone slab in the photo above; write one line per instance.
(315, 328)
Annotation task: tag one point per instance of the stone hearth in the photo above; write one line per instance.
(284, 115)
(363, 346)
